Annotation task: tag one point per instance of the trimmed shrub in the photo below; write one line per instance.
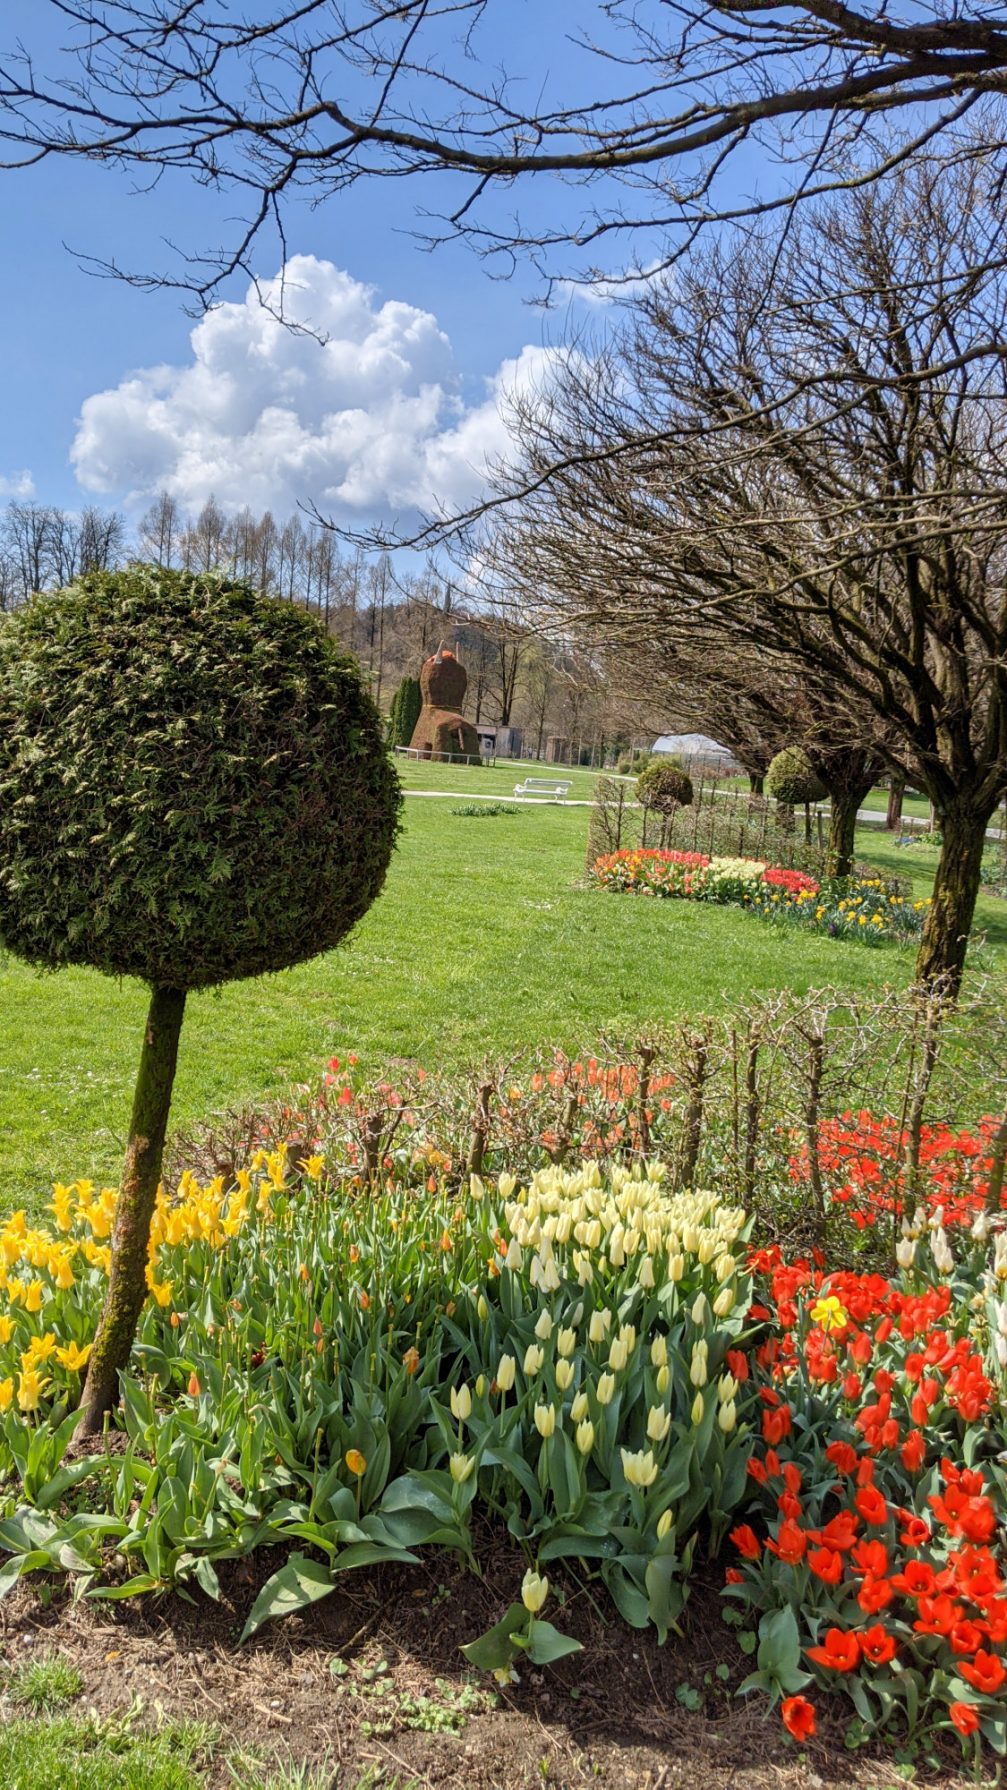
(664, 787)
(193, 788)
(405, 712)
(792, 780)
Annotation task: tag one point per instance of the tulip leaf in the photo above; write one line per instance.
(546, 1644)
(497, 1647)
(297, 1584)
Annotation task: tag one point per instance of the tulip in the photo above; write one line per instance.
(727, 1416)
(700, 1313)
(545, 1420)
(585, 1436)
(658, 1424)
(676, 1268)
(605, 1389)
(665, 1523)
(534, 1591)
(663, 1380)
(564, 1374)
(461, 1402)
(727, 1387)
(618, 1355)
(639, 1469)
(460, 1466)
(566, 1342)
(543, 1329)
(356, 1462)
(659, 1351)
(506, 1369)
(533, 1359)
(580, 1407)
(482, 1308)
(698, 1407)
(724, 1302)
(598, 1328)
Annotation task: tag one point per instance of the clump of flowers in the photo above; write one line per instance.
(864, 908)
(873, 1555)
(874, 1169)
(565, 1351)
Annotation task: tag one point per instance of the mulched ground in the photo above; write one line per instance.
(625, 1714)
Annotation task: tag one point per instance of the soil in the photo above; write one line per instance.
(337, 1687)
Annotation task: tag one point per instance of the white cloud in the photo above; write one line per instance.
(358, 411)
(17, 484)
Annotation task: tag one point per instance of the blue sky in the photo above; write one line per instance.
(73, 343)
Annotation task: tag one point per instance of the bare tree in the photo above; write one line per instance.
(828, 494)
(27, 539)
(309, 97)
(102, 536)
(160, 529)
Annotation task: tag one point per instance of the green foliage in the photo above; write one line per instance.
(664, 787)
(405, 712)
(792, 780)
(193, 785)
(45, 1683)
(69, 1755)
(484, 810)
(358, 1381)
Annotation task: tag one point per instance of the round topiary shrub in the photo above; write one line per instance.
(664, 787)
(193, 788)
(792, 779)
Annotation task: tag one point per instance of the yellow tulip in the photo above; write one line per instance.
(356, 1462)
(585, 1436)
(658, 1424)
(506, 1369)
(461, 1402)
(29, 1391)
(640, 1469)
(460, 1466)
(545, 1419)
(534, 1591)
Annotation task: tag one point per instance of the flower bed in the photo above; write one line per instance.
(867, 1168)
(875, 1564)
(358, 1371)
(863, 907)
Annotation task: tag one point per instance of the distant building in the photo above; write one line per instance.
(697, 750)
(499, 742)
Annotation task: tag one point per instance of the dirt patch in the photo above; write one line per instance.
(372, 1678)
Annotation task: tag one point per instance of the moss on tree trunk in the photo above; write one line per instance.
(127, 1286)
(941, 956)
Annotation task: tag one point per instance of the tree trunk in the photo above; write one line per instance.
(941, 955)
(755, 784)
(896, 796)
(127, 1285)
(843, 805)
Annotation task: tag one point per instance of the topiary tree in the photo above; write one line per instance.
(792, 780)
(193, 789)
(405, 712)
(664, 787)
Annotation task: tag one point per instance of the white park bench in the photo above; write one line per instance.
(543, 786)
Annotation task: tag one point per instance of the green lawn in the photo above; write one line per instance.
(482, 943)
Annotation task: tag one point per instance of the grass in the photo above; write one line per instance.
(485, 942)
(72, 1755)
(117, 1754)
(45, 1684)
